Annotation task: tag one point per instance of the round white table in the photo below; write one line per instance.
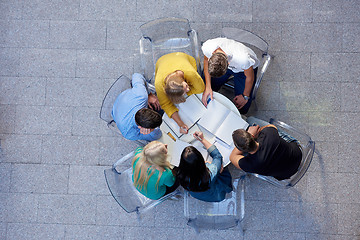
(165, 138)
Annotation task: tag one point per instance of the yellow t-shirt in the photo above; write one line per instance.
(169, 63)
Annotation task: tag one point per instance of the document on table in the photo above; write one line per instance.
(225, 151)
(190, 112)
(179, 146)
(221, 121)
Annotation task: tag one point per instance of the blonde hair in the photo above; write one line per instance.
(153, 155)
(174, 88)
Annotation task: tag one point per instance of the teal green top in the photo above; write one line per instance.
(166, 179)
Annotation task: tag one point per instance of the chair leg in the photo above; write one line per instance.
(242, 204)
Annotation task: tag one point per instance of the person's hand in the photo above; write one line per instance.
(198, 135)
(153, 102)
(145, 130)
(184, 129)
(254, 130)
(207, 92)
(240, 101)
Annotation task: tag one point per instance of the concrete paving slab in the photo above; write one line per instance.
(36, 178)
(35, 231)
(21, 148)
(67, 209)
(22, 91)
(77, 150)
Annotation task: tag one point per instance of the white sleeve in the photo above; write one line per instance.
(242, 62)
(209, 47)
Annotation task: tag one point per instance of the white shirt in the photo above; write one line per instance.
(240, 57)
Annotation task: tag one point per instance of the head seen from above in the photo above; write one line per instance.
(218, 64)
(244, 141)
(153, 156)
(176, 87)
(148, 118)
(192, 171)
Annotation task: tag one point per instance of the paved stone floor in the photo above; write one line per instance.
(58, 58)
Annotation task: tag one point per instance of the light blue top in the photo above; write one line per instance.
(125, 107)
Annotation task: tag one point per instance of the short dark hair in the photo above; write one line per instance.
(244, 141)
(192, 173)
(218, 65)
(148, 118)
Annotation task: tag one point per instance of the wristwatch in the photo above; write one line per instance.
(246, 97)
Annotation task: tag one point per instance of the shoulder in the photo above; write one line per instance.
(269, 136)
(246, 163)
(269, 129)
(209, 41)
(138, 150)
(210, 46)
(167, 173)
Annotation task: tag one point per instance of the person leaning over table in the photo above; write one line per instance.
(263, 151)
(176, 77)
(132, 115)
(225, 57)
(152, 175)
(207, 181)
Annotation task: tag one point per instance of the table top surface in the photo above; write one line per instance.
(165, 138)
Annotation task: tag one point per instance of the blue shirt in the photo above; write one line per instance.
(125, 107)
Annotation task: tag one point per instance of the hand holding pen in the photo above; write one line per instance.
(198, 135)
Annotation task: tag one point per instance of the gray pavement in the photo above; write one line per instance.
(58, 58)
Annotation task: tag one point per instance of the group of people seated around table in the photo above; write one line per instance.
(260, 149)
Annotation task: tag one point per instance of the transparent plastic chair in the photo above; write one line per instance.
(120, 184)
(163, 36)
(120, 85)
(258, 45)
(307, 148)
(217, 215)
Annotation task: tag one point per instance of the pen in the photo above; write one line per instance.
(172, 137)
(197, 137)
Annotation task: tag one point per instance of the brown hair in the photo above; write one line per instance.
(174, 88)
(218, 64)
(244, 141)
(148, 118)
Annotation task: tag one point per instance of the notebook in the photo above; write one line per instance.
(221, 121)
(190, 112)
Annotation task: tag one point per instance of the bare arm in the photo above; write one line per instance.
(235, 156)
(199, 136)
(208, 91)
(249, 81)
(183, 127)
(239, 100)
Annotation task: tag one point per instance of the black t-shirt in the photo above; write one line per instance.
(275, 157)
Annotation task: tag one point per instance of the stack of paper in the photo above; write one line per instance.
(190, 112)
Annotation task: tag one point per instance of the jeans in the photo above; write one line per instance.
(288, 138)
(239, 85)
